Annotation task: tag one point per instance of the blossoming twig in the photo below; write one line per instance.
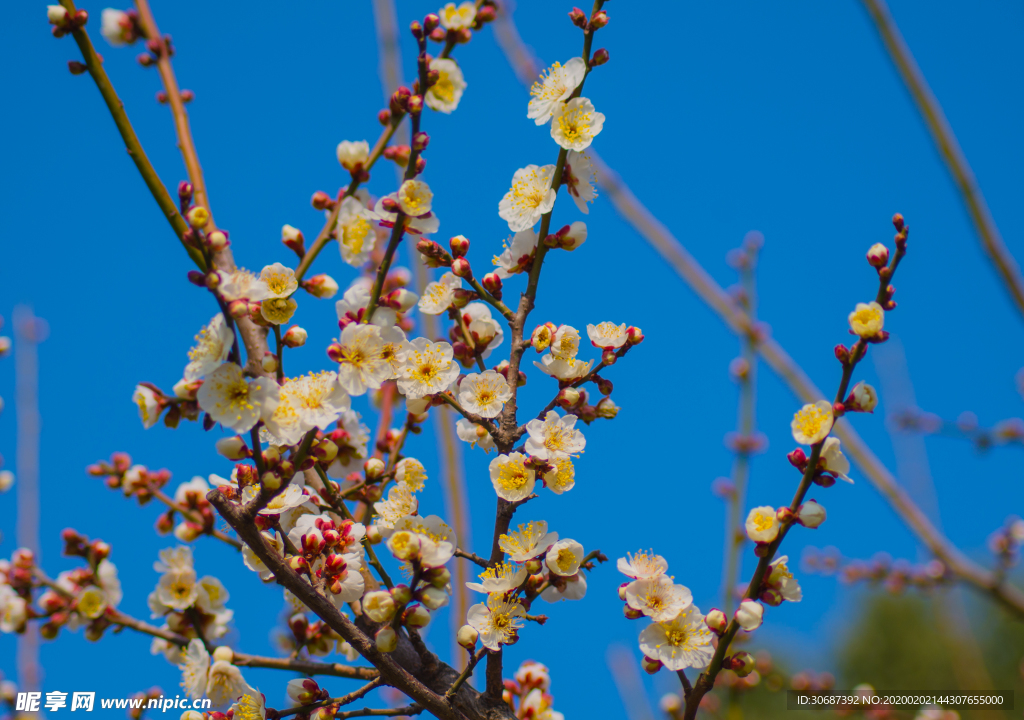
(466, 673)
(189, 515)
(339, 701)
(473, 557)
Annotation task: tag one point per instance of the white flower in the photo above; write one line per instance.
(224, 683)
(177, 589)
(565, 343)
(444, 95)
(781, 578)
(241, 285)
(194, 669)
(350, 584)
(427, 368)
(864, 397)
(562, 477)
(812, 423)
(511, 478)
(572, 238)
(570, 369)
(13, 610)
(290, 498)
(414, 197)
(352, 154)
(607, 335)
(411, 472)
(197, 487)
(475, 435)
(484, 393)
(423, 224)
(682, 642)
(530, 197)
(564, 557)
(575, 124)
(497, 621)
(579, 177)
(438, 295)
(213, 345)
(518, 256)
(762, 524)
(437, 539)
(353, 303)
(501, 578)
(351, 447)
(252, 561)
(361, 363)
(211, 595)
(658, 597)
(561, 588)
(280, 280)
(749, 615)
(486, 331)
(149, 405)
(354, 231)
(534, 674)
(835, 462)
(642, 565)
(554, 437)
(528, 541)
(176, 558)
(116, 27)
(400, 502)
(457, 18)
(250, 706)
(867, 319)
(56, 14)
(91, 602)
(554, 85)
(236, 402)
(310, 401)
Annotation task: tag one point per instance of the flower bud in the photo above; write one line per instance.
(599, 20)
(420, 141)
(294, 337)
(416, 616)
(568, 397)
(631, 613)
(198, 217)
(742, 663)
(238, 309)
(269, 362)
(600, 58)
(716, 621)
(492, 284)
(467, 637)
(321, 286)
(57, 15)
(749, 615)
(878, 255)
(401, 594)
(373, 468)
(387, 639)
(293, 239)
(373, 535)
(401, 299)
(438, 34)
(217, 240)
(270, 481)
(233, 448)
(321, 200)
(77, 68)
(634, 335)
(651, 665)
(223, 654)
(797, 459)
(771, 597)
(461, 268)
(191, 715)
(459, 245)
(416, 28)
(438, 577)
(379, 606)
(384, 117)
(415, 105)
(810, 514)
(432, 598)
(578, 17)
(863, 398)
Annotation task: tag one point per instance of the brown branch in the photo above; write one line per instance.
(305, 666)
(156, 188)
(949, 149)
(402, 669)
(339, 701)
(193, 518)
(473, 557)
(413, 709)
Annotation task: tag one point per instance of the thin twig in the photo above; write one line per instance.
(339, 701)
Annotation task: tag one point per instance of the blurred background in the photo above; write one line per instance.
(785, 118)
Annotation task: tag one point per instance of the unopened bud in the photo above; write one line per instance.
(600, 58)
(269, 362)
(57, 15)
(402, 594)
(459, 245)
(797, 459)
(415, 105)
(293, 239)
(467, 637)
(387, 639)
(217, 240)
(878, 255)
(432, 598)
(416, 616)
(568, 397)
(233, 448)
(238, 309)
(863, 398)
(651, 665)
(716, 621)
(578, 17)
(438, 577)
(384, 117)
(321, 200)
(810, 514)
(438, 34)
(492, 284)
(631, 613)
(373, 468)
(461, 268)
(401, 299)
(599, 20)
(416, 28)
(77, 68)
(420, 141)
(634, 335)
(321, 286)
(771, 597)
(294, 337)
(379, 606)
(749, 615)
(270, 481)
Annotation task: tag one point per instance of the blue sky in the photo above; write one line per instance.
(723, 118)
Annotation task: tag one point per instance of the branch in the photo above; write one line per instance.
(949, 149)
(343, 700)
(402, 670)
(472, 557)
(163, 198)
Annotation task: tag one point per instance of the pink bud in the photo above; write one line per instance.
(461, 268)
(716, 621)
(459, 245)
(294, 337)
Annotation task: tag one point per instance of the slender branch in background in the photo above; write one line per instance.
(29, 331)
(949, 149)
(1009, 432)
(630, 685)
(449, 450)
(181, 125)
(193, 518)
(744, 370)
(673, 252)
(156, 188)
